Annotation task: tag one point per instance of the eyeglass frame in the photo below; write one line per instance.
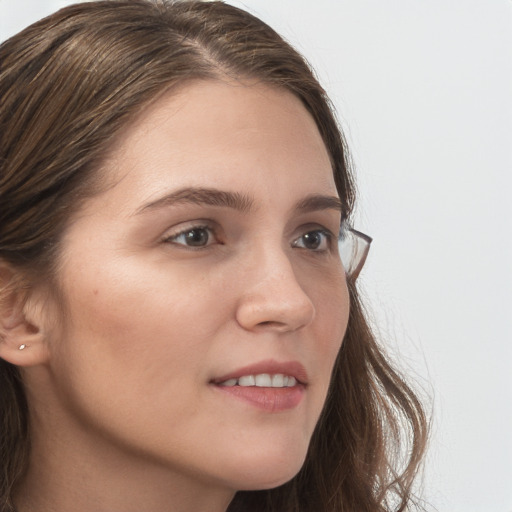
(359, 249)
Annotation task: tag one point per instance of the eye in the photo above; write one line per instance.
(318, 240)
(194, 236)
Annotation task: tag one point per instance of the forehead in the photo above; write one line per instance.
(228, 134)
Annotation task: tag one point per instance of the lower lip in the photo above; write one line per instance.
(267, 399)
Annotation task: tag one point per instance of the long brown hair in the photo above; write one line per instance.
(68, 84)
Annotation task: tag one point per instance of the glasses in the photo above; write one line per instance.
(353, 247)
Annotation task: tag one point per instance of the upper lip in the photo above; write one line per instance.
(270, 366)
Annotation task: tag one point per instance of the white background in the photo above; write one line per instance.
(424, 92)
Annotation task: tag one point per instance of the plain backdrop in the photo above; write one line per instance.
(423, 91)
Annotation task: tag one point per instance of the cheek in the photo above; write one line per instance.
(134, 331)
(153, 323)
(126, 318)
(332, 305)
(128, 299)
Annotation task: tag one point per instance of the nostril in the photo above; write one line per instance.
(277, 326)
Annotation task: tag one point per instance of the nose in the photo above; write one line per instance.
(272, 297)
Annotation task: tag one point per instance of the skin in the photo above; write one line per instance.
(124, 414)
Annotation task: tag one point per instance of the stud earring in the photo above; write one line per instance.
(21, 347)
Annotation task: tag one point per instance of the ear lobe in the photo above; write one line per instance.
(22, 340)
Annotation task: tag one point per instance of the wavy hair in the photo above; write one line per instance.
(68, 84)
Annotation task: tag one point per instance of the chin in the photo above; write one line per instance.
(267, 472)
(271, 483)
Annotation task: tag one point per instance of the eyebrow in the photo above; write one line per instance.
(202, 196)
(236, 201)
(316, 202)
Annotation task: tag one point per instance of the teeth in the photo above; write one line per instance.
(247, 380)
(229, 382)
(262, 380)
(278, 381)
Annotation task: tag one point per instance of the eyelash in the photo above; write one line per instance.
(173, 238)
(328, 236)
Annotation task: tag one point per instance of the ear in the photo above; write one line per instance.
(22, 340)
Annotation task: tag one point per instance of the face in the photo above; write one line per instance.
(205, 300)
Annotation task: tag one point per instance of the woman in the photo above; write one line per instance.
(178, 331)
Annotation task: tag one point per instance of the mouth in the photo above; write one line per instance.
(269, 385)
(261, 380)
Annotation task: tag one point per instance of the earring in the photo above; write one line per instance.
(21, 347)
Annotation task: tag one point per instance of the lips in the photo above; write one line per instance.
(262, 371)
(270, 386)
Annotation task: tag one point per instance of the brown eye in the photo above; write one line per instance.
(196, 237)
(316, 240)
(200, 236)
